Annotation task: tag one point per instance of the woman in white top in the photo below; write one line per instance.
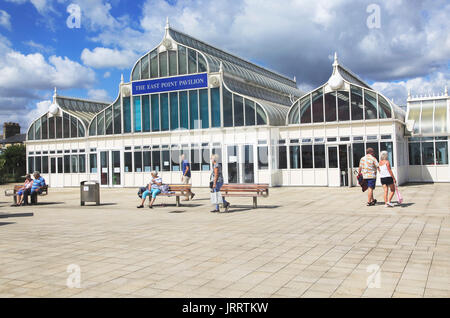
(387, 178)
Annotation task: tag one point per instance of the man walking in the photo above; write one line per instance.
(186, 177)
(368, 166)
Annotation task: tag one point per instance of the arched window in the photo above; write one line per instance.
(47, 127)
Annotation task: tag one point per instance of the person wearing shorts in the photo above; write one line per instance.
(368, 166)
(387, 179)
(27, 185)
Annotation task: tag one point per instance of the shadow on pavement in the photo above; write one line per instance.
(15, 215)
(6, 223)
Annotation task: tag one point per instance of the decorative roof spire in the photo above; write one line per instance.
(121, 79)
(295, 78)
(55, 93)
(336, 63)
(167, 23)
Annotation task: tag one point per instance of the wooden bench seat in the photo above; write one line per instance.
(177, 190)
(13, 192)
(245, 190)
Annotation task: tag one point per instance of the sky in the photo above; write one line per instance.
(394, 45)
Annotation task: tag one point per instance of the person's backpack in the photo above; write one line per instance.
(141, 191)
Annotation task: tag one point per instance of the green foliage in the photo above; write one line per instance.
(12, 163)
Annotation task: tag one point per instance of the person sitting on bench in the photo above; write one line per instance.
(36, 188)
(27, 185)
(153, 189)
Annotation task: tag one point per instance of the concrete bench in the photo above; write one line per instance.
(245, 190)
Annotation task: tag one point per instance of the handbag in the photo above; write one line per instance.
(216, 198)
(399, 195)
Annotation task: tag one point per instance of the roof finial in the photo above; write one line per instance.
(167, 23)
(121, 78)
(336, 63)
(55, 93)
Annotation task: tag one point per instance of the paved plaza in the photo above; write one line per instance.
(300, 242)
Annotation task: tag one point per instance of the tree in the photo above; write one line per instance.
(14, 161)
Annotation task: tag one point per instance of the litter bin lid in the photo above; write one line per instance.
(89, 182)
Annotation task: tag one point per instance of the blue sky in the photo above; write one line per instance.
(38, 50)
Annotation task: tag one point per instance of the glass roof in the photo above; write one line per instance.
(428, 116)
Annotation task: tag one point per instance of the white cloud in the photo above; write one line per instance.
(98, 95)
(102, 57)
(107, 75)
(5, 19)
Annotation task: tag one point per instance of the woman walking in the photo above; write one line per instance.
(216, 180)
(387, 179)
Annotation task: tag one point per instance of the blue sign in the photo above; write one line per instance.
(170, 84)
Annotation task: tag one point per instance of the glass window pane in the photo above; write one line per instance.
(307, 156)
(138, 161)
(38, 163)
(317, 101)
(305, 110)
(358, 152)
(263, 158)
(193, 109)
(202, 67)
(282, 157)
(37, 131)
(163, 64)
(357, 104)
(250, 113)
(195, 159)
(206, 159)
(414, 154)
(66, 125)
(73, 127)
(81, 131)
(31, 132)
(294, 115)
(154, 64)
(44, 127)
(384, 108)
(261, 118)
(66, 164)
(51, 128)
(440, 116)
(126, 114)
(330, 107)
(117, 118)
(60, 165)
(173, 111)
(164, 111)
(175, 157)
(145, 69)
(215, 107)
(74, 163)
(155, 112)
(389, 147)
(147, 160)
(30, 165)
(128, 162)
(428, 153)
(227, 108)
(238, 110)
(370, 104)
(146, 112)
(44, 164)
(101, 123)
(172, 63)
(137, 111)
(184, 110)
(319, 156)
(137, 72)
(156, 160)
(182, 63)
(165, 160)
(426, 123)
(192, 65)
(442, 153)
(204, 108)
(414, 114)
(295, 161)
(82, 163)
(374, 146)
(343, 105)
(93, 162)
(93, 127)
(58, 127)
(333, 157)
(108, 121)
